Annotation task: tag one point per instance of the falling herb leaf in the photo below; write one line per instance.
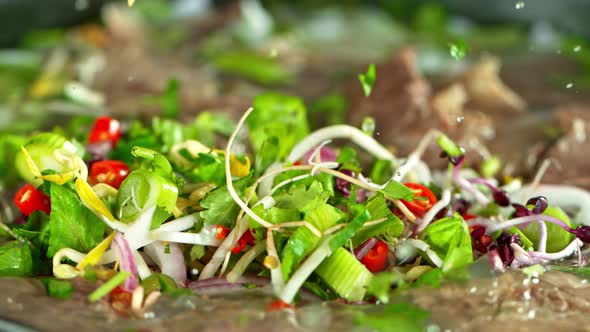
(368, 79)
(458, 49)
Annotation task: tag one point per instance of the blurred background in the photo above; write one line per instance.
(506, 78)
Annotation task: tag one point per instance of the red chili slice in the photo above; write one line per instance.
(29, 199)
(376, 259)
(105, 129)
(423, 200)
(111, 172)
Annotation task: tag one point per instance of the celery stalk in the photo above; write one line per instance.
(348, 277)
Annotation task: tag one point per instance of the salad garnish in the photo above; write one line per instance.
(295, 209)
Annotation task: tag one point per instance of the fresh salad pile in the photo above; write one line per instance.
(145, 210)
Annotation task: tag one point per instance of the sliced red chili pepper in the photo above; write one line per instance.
(29, 199)
(423, 200)
(246, 239)
(467, 216)
(221, 232)
(376, 259)
(111, 172)
(278, 305)
(121, 300)
(105, 129)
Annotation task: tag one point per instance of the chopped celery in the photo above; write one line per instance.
(108, 286)
(360, 217)
(345, 275)
(377, 207)
(303, 241)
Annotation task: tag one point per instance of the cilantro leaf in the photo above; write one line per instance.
(302, 197)
(396, 190)
(280, 116)
(458, 49)
(450, 239)
(15, 260)
(368, 79)
(395, 317)
(71, 223)
(220, 207)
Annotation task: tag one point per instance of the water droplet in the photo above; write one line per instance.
(472, 290)
(558, 51)
(274, 53)
(519, 5)
(130, 78)
(460, 119)
(569, 85)
(577, 48)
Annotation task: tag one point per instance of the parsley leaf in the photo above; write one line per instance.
(71, 223)
(15, 260)
(396, 190)
(280, 116)
(220, 207)
(368, 79)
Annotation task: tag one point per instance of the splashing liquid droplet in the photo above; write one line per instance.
(460, 119)
(519, 5)
(577, 48)
(569, 85)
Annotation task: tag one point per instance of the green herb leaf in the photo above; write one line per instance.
(396, 190)
(458, 49)
(260, 69)
(71, 223)
(219, 206)
(368, 79)
(450, 239)
(60, 289)
(380, 285)
(15, 260)
(171, 99)
(280, 116)
(108, 286)
(395, 317)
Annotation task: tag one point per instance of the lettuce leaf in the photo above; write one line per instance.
(450, 239)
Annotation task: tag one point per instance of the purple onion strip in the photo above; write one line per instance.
(468, 186)
(126, 261)
(364, 248)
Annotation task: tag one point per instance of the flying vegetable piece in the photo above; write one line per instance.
(368, 80)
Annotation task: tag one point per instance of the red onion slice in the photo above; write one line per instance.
(126, 261)
(169, 258)
(364, 248)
